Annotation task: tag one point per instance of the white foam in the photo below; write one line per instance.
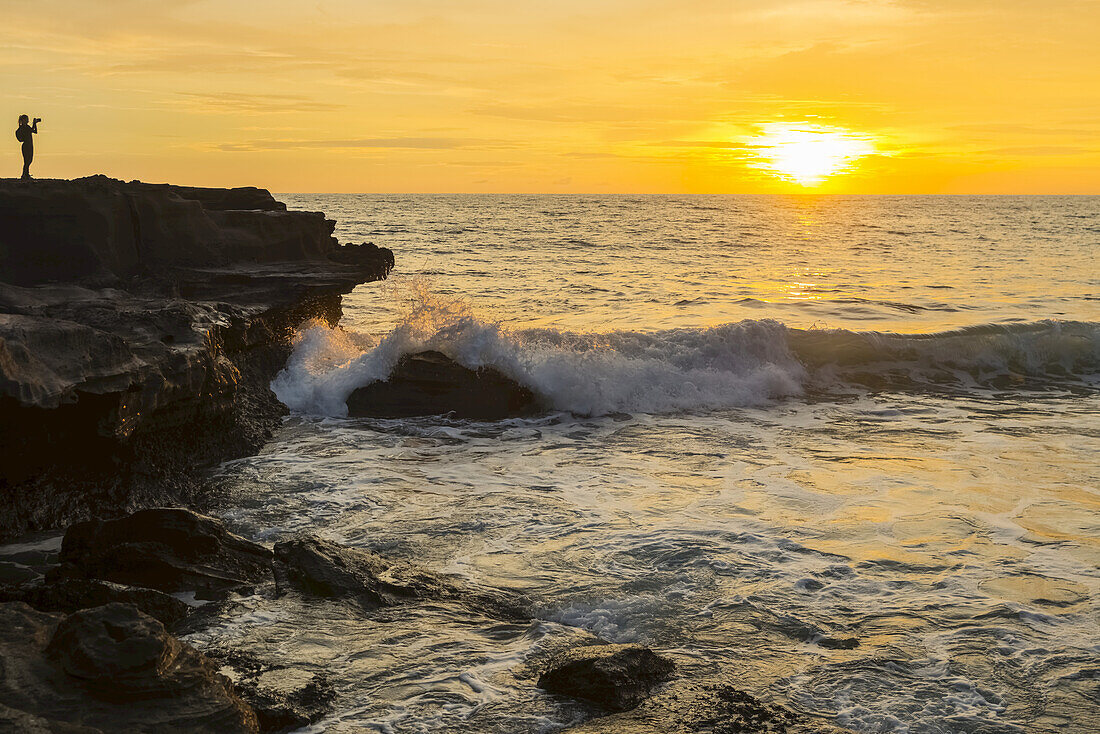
(747, 363)
(731, 365)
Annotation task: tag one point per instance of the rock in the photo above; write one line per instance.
(110, 668)
(320, 567)
(430, 383)
(72, 594)
(287, 699)
(169, 549)
(140, 328)
(616, 677)
(690, 707)
(284, 698)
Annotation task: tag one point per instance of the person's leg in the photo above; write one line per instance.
(28, 156)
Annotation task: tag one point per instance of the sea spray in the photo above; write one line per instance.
(732, 365)
(746, 363)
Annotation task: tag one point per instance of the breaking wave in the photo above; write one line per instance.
(739, 364)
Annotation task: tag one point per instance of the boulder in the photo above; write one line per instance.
(616, 677)
(68, 595)
(110, 669)
(711, 707)
(169, 549)
(431, 383)
(320, 567)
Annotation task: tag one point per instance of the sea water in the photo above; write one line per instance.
(841, 451)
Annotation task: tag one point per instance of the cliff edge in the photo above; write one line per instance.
(140, 326)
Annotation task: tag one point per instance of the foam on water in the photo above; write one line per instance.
(746, 363)
(858, 475)
(731, 365)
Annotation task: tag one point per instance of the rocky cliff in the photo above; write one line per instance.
(140, 326)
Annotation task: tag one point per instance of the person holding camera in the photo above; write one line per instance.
(25, 135)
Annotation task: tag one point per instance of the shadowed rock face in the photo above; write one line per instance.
(140, 327)
(431, 383)
(168, 549)
(616, 677)
(73, 594)
(687, 707)
(109, 669)
(320, 567)
(284, 698)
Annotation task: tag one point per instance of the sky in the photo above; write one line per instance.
(572, 96)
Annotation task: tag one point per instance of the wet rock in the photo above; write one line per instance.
(68, 595)
(430, 383)
(110, 668)
(320, 567)
(287, 699)
(689, 707)
(169, 549)
(616, 677)
(284, 697)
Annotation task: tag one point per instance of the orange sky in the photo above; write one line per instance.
(662, 96)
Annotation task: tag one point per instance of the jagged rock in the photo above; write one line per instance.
(430, 383)
(320, 567)
(287, 699)
(616, 677)
(110, 669)
(140, 328)
(72, 594)
(689, 707)
(284, 697)
(169, 549)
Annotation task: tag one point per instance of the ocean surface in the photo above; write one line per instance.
(842, 451)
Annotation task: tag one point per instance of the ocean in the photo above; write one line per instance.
(841, 451)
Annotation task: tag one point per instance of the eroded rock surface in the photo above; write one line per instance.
(431, 383)
(109, 669)
(168, 549)
(69, 595)
(284, 697)
(688, 707)
(140, 328)
(616, 677)
(318, 567)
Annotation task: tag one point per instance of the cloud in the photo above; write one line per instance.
(409, 143)
(252, 103)
(1037, 150)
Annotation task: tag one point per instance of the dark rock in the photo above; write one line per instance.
(284, 697)
(616, 677)
(322, 568)
(140, 328)
(368, 252)
(169, 549)
(690, 707)
(110, 669)
(72, 594)
(287, 699)
(430, 383)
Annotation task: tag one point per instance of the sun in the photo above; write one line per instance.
(806, 153)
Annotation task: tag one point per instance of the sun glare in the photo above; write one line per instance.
(807, 154)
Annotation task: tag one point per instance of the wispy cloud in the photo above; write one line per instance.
(410, 143)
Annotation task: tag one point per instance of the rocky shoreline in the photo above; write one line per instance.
(140, 327)
(93, 643)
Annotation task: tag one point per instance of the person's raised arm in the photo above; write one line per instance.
(34, 127)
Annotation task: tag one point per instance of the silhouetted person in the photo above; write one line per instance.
(25, 135)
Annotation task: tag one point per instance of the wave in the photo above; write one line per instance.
(747, 363)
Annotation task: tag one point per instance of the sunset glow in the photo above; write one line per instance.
(807, 154)
(595, 97)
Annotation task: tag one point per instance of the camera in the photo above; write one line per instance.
(37, 120)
